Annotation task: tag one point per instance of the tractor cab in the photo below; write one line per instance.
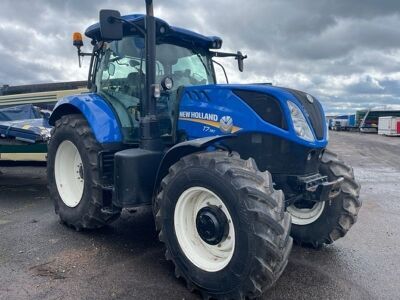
(118, 71)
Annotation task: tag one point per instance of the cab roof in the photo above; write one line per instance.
(172, 34)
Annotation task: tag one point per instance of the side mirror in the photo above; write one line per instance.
(110, 27)
(240, 57)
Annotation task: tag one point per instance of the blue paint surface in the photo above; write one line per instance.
(98, 113)
(173, 33)
(219, 100)
(210, 103)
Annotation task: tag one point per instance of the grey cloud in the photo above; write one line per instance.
(347, 53)
(24, 71)
(366, 85)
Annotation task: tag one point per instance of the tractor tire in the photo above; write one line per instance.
(329, 220)
(246, 248)
(73, 175)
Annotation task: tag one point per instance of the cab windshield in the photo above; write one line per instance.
(120, 78)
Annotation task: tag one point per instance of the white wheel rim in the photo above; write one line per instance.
(68, 171)
(210, 258)
(305, 216)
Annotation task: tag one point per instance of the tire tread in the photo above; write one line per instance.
(262, 202)
(349, 195)
(94, 217)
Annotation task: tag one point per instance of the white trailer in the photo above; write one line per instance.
(389, 126)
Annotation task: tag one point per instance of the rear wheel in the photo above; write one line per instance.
(315, 224)
(73, 175)
(223, 225)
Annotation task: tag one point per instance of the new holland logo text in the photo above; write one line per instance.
(210, 122)
(198, 115)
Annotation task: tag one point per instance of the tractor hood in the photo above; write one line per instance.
(165, 33)
(254, 108)
(309, 105)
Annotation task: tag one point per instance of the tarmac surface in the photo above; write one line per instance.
(42, 259)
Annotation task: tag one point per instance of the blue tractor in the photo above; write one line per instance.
(234, 173)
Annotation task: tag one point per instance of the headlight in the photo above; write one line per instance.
(301, 126)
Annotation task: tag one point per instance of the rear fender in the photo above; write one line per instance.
(100, 116)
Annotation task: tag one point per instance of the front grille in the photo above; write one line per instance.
(265, 105)
(275, 154)
(314, 110)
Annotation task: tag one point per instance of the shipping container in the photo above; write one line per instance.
(352, 120)
(389, 126)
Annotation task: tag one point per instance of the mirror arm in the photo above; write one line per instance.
(238, 56)
(226, 54)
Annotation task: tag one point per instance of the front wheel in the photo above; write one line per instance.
(318, 223)
(223, 225)
(73, 175)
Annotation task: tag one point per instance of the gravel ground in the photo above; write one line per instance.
(41, 259)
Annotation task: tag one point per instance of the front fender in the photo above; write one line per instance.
(180, 150)
(97, 112)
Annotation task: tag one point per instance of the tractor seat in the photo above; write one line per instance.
(132, 85)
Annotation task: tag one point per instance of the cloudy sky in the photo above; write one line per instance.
(345, 52)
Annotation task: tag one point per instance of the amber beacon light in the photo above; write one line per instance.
(77, 39)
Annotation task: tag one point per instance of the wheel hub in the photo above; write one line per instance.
(212, 225)
(204, 229)
(80, 171)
